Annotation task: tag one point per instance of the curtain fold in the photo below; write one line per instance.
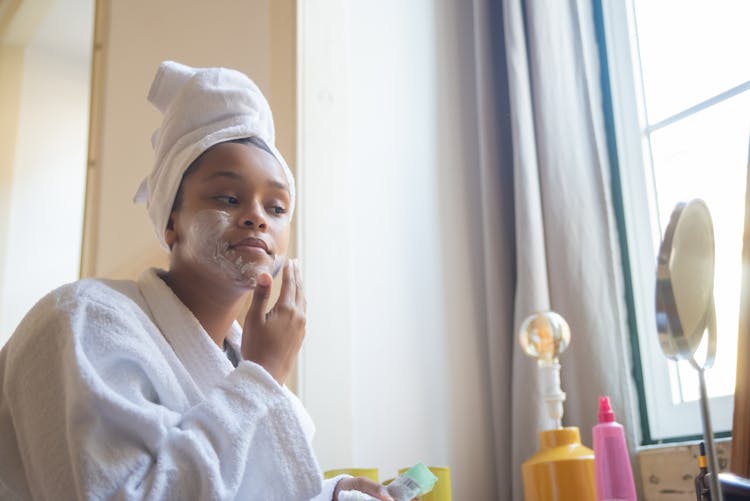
(494, 143)
(545, 181)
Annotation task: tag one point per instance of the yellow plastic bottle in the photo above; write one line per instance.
(562, 470)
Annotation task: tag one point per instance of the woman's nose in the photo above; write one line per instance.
(253, 218)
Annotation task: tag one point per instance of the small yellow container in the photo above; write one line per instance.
(562, 470)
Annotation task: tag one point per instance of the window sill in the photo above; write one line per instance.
(667, 471)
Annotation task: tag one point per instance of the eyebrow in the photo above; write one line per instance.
(238, 177)
(278, 185)
(224, 173)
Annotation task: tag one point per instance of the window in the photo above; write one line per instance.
(679, 82)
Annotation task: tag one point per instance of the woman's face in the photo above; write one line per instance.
(233, 220)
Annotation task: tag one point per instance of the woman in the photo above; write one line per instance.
(150, 389)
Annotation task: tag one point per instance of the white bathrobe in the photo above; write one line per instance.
(113, 390)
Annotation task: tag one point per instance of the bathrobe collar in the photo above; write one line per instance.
(203, 359)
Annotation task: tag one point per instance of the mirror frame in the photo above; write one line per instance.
(680, 340)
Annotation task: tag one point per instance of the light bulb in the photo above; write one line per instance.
(544, 336)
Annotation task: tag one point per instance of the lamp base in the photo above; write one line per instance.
(562, 470)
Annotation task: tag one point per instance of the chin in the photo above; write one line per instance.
(244, 274)
(247, 276)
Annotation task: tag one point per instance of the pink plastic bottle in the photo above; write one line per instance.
(612, 471)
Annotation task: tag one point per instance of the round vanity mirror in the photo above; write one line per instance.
(685, 284)
(685, 303)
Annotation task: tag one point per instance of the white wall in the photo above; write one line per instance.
(45, 206)
(393, 370)
(398, 336)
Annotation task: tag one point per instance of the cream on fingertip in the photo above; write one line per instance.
(265, 280)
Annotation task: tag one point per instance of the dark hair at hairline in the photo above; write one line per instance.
(252, 140)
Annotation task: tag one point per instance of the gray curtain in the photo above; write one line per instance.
(549, 235)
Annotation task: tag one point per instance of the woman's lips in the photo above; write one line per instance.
(252, 245)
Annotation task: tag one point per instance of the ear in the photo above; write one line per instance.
(170, 235)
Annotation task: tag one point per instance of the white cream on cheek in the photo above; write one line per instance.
(205, 243)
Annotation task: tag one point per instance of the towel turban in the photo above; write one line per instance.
(201, 107)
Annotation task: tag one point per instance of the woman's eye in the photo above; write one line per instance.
(228, 199)
(278, 210)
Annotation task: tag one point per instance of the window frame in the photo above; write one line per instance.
(624, 109)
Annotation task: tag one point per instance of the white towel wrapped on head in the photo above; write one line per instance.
(201, 107)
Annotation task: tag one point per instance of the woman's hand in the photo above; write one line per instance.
(361, 484)
(273, 339)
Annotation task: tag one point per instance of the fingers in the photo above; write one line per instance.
(363, 484)
(300, 293)
(381, 493)
(288, 286)
(257, 311)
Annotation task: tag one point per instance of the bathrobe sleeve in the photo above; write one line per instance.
(329, 485)
(93, 401)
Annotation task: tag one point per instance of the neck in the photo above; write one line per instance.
(216, 308)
